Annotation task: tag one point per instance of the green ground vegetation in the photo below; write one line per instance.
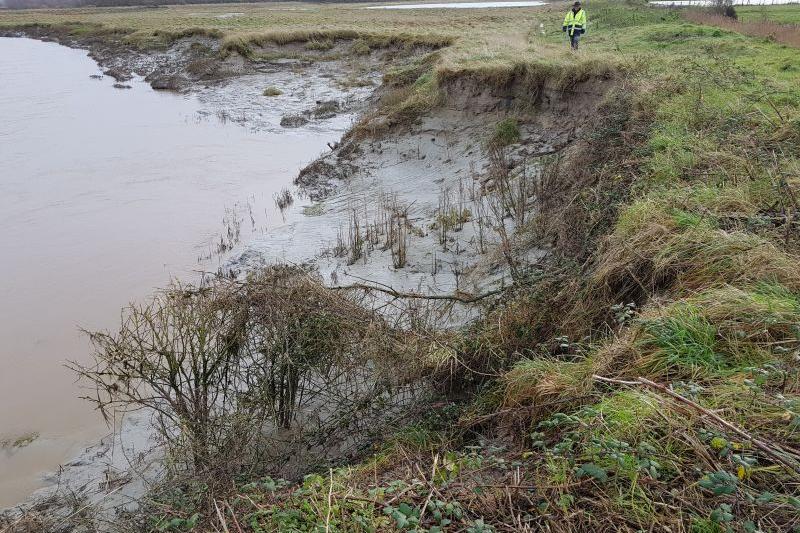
(590, 398)
(788, 14)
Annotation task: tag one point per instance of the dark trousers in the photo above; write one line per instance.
(574, 38)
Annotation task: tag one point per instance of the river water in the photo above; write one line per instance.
(106, 194)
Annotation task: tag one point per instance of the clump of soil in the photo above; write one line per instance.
(118, 74)
(326, 109)
(293, 121)
(205, 68)
(322, 176)
(171, 82)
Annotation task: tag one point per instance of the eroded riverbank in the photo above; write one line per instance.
(424, 209)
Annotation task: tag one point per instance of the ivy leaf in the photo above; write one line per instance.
(794, 502)
(722, 514)
(407, 509)
(192, 521)
(719, 482)
(593, 471)
(765, 497)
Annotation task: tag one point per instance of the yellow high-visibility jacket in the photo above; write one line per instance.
(575, 21)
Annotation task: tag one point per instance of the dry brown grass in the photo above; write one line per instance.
(788, 34)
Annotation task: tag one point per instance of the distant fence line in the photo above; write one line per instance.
(687, 3)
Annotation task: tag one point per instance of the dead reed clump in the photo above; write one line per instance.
(283, 200)
(788, 34)
(653, 251)
(398, 237)
(355, 241)
(386, 226)
(452, 213)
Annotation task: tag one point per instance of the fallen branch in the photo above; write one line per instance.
(330, 505)
(463, 297)
(773, 450)
(221, 518)
(615, 381)
(233, 515)
(433, 488)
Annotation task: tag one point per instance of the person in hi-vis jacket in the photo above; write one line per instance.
(575, 24)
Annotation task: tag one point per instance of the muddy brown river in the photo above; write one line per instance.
(105, 194)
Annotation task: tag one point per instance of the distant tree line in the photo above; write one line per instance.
(22, 4)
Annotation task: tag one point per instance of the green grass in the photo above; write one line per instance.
(505, 132)
(788, 14)
(683, 340)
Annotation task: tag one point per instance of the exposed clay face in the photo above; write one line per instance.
(440, 163)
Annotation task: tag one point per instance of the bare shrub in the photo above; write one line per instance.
(724, 8)
(235, 371)
(506, 200)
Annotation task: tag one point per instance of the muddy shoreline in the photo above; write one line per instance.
(101, 473)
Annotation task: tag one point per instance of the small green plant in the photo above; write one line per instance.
(479, 526)
(272, 91)
(506, 132)
(266, 484)
(360, 48)
(322, 45)
(593, 471)
(719, 482)
(722, 514)
(179, 524)
(404, 515)
(623, 313)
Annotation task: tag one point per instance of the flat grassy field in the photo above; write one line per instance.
(788, 14)
(493, 37)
